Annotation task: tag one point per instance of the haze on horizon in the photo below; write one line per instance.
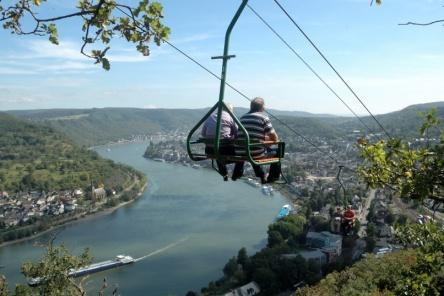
(389, 66)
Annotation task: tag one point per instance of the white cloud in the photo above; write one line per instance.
(18, 95)
(68, 50)
(67, 82)
(68, 65)
(40, 56)
(128, 58)
(39, 67)
(192, 38)
(19, 99)
(14, 71)
(39, 49)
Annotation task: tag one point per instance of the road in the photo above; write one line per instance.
(413, 213)
(362, 217)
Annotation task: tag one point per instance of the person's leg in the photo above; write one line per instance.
(209, 150)
(274, 172)
(259, 172)
(229, 150)
(222, 165)
(222, 168)
(238, 170)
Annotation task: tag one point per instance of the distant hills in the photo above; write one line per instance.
(99, 126)
(37, 157)
(403, 123)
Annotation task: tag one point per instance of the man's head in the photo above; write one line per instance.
(257, 105)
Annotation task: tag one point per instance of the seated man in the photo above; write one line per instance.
(228, 130)
(259, 129)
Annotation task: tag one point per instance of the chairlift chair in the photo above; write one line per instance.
(220, 106)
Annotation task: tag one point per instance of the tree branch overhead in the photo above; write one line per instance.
(103, 20)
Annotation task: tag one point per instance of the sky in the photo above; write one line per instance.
(389, 66)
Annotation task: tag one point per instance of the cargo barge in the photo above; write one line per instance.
(120, 260)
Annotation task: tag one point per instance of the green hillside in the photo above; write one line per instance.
(371, 276)
(99, 126)
(403, 123)
(35, 157)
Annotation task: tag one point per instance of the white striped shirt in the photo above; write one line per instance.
(258, 125)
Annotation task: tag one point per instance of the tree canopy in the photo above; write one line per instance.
(415, 172)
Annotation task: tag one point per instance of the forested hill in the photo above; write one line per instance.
(403, 123)
(35, 157)
(99, 126)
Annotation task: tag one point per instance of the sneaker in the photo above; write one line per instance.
(226, 178)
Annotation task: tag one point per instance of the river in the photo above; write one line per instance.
(192, 221)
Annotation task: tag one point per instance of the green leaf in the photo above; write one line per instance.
(53, 34)
(105, 64)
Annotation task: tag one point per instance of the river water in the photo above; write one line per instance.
(189, 220)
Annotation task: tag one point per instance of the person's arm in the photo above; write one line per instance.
(272, 136)
(234, 129)
(270, 133)
(203, 133)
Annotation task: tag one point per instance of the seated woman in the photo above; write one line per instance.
(228, 130)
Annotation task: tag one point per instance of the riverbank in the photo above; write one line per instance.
(179, 202)
(282, 188)
(84, 216)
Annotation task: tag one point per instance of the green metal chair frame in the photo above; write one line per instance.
(221, 106)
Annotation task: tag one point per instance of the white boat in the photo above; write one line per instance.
(252, 182)
(267, 190)
(93, 268)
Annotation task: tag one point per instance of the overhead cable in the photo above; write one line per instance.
(309, 67)
(331, 66)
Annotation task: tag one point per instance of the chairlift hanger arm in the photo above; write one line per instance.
(225, 59)
(338, 177)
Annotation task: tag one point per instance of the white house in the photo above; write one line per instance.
(249, 289)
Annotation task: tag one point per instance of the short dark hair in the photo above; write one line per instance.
(257, 105)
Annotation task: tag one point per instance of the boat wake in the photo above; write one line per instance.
(162, 249)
